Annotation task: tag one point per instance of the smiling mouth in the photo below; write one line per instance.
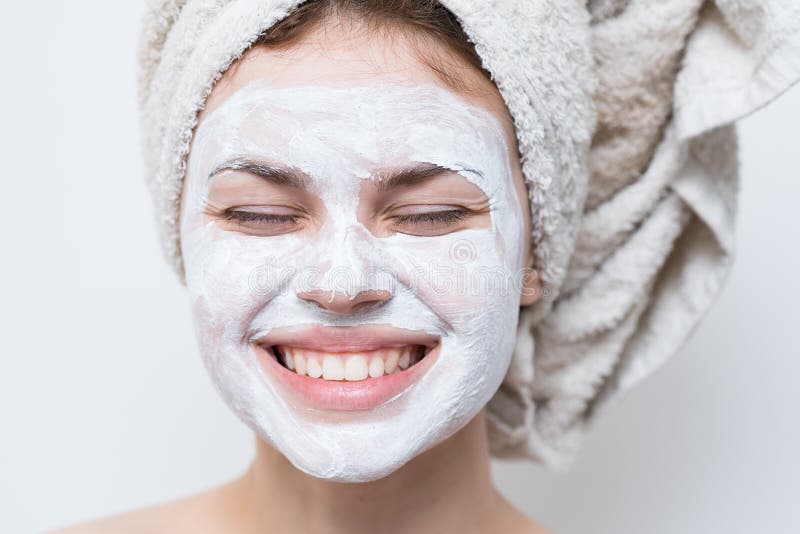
(348, 366)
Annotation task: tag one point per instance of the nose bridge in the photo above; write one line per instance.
(360, 250)
(347, 270)
(346, 263)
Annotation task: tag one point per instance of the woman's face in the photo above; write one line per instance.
(354, 235)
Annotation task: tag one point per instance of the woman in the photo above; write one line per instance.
(367, 225)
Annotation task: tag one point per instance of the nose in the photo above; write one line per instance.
(341, 303)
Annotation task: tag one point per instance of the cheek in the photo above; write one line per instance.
(463, 276)
(232, 276)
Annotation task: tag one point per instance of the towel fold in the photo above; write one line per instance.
(656, 239)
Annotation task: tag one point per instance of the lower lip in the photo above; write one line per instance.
(342, 395)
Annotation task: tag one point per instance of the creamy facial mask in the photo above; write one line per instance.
(461, 287)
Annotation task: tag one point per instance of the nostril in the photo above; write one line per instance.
(372, 297)
(367, 305)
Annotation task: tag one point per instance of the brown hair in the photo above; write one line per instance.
(417, 19)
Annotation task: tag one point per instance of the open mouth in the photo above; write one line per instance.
(348, 366)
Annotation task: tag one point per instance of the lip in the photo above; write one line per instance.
(337, 395)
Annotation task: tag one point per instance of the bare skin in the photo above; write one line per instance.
(445, 489)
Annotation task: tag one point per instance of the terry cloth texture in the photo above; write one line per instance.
(624, 112)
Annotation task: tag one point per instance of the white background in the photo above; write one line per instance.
(105, 406)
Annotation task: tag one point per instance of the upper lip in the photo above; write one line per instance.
(345, 338)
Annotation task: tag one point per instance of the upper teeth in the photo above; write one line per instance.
(350, 365)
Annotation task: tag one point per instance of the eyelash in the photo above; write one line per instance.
(425, 221)
(449, 216)
(249, 216)
(436, 216)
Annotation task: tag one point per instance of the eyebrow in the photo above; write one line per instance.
(409, 176)
(387, 180)
(276, 175)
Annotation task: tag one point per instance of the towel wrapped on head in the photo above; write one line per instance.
(623, 111)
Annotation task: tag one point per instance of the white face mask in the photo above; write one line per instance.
(460, 290)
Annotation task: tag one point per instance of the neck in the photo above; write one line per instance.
(447, 488)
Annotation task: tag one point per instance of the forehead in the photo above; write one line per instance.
(379, 121)
(373, 103)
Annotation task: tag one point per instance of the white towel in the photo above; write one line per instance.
(624, 114)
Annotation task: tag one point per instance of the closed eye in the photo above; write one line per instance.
(430, 223)
(250, 216)
(257, 221)
(432, 217)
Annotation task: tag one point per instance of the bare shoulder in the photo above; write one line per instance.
(526, 525)
(210, 511)
(535, 528)
(144, 521)
(513, 521)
